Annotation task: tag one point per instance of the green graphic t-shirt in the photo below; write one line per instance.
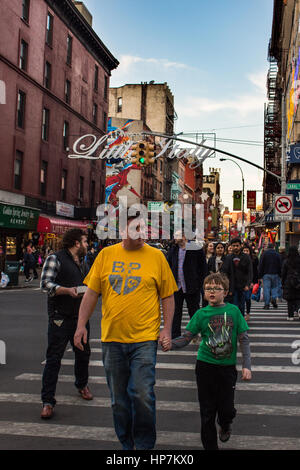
(219, 328)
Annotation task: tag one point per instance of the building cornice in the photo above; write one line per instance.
(74, 20)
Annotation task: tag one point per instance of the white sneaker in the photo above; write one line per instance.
(290, 318)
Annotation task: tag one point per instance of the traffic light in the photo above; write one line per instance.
(138, 153)
(150, 153)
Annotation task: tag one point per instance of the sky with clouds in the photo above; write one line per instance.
(213, 55)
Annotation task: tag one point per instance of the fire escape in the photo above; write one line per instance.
(272, 134)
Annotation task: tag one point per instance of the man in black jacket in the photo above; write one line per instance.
(188, 264)
(238, 269)
(63, 274)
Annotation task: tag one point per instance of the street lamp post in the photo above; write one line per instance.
(243, 190)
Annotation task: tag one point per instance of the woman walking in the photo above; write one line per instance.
(290, 277)
(215, 262)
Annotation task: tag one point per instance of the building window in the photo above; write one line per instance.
(160, 187)
(119, 107)
(21, 109)
(64, 185)
(43, 178)
(68, 91)
(18, 170)
(25, 10)
(47, 78)
(104, 121)
(66, 135)
(69, 49)
(45, 124)
(95, 113)
(23, 55)
(93, 189)
(96, 78)
(81, 186)
(105, 87)
(49, 30)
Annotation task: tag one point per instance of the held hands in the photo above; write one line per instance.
(165, 340)
(246, 374)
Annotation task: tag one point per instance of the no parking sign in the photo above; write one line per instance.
(283, 207)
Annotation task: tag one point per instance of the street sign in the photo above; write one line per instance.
(283, 209)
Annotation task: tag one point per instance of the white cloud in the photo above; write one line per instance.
(127, 62)
(259, 80)
(193, 107)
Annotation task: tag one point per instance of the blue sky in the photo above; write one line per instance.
(213, 55)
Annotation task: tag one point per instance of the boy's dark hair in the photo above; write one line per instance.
(71, 237)
(217, 278)
(236, 240)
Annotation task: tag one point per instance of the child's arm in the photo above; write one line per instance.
(179, 342)
(246, 354)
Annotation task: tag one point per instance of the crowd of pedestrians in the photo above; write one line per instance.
(134, 279)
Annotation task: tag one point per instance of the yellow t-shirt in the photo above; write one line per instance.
(131, 283)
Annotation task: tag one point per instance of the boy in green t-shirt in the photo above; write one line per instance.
(221, 325)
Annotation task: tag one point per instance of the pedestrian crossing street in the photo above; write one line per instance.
(268, 407)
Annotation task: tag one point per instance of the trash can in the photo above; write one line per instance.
(12, 270)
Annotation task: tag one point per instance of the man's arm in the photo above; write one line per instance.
(86, 310)
(168, 306)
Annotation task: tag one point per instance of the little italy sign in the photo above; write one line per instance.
(118, 145)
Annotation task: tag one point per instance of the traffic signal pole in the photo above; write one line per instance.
(170, 137)
(283, 168)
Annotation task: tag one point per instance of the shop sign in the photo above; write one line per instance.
(156, 206)
(66, 210)
(18, 217)
(251, 199)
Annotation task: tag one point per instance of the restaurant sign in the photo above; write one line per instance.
(18, 217)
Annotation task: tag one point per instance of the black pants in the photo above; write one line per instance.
(193, 304)
(293, 307)
(216, 386)
(58, 338)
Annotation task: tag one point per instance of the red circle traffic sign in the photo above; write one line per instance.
(283, 205)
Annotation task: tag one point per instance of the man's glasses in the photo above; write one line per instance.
(213, 289)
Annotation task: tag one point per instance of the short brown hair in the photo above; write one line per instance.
(71, 237)
(217, 278)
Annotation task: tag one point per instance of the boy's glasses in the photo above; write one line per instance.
(213, 289)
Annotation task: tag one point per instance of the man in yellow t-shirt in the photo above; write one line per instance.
(132, 277)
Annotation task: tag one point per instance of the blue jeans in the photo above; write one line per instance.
(271, 287)
(130, 373)
(239, 300)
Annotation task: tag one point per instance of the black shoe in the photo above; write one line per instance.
(266, 307)
(274, 304)
(224, 436)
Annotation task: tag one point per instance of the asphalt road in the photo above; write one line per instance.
(268, 407)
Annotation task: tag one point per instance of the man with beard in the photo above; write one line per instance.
(238, 269)
(62, 279)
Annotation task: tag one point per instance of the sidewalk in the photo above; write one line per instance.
(35, 283)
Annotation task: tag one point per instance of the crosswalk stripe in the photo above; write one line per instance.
(194, 353)
(169, 438)
(182, 406)
(172, 366)
(241, 386)
(277, 344)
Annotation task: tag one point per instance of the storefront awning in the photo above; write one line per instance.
(58, 226)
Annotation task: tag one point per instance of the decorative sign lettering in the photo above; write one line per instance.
(18, 217)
